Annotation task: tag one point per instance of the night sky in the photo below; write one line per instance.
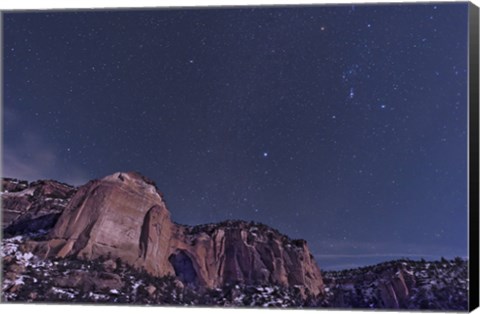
(343, 125)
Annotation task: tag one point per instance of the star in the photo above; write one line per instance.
(197, 109)
(352, 93)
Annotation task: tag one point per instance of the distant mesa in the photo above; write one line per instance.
(124, 216)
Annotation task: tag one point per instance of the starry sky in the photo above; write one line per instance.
(342, 125)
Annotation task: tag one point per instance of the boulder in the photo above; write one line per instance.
(151, 290)
(109, 265)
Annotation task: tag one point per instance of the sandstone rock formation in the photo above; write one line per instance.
(396, 289)
(392, 285)
(28, 207)
(124, 216)
(123, 221)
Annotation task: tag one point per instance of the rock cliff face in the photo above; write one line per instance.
(396, 288)
(112, 240)
(124, 216)
(400, 284)
(28, 207)
(249, 253)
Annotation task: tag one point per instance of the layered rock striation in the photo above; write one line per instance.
(124, 216)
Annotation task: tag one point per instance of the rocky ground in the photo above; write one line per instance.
(407, 284)
(29, 207)
(38, 216)
(437, 285)
(27, 278)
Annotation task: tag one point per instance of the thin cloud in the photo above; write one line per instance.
(32, 158)
(336, 250)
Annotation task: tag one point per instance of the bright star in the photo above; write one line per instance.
(352, 93)
(265, 154)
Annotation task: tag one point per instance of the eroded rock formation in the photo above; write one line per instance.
(28, 207)
(124, 216)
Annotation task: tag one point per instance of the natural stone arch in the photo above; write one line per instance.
(184, 267)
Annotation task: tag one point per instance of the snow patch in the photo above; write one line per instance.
(61, 291)
(97, 296)
(19, 281)
(28, 191)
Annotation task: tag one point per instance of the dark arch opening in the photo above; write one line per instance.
(183, 266)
